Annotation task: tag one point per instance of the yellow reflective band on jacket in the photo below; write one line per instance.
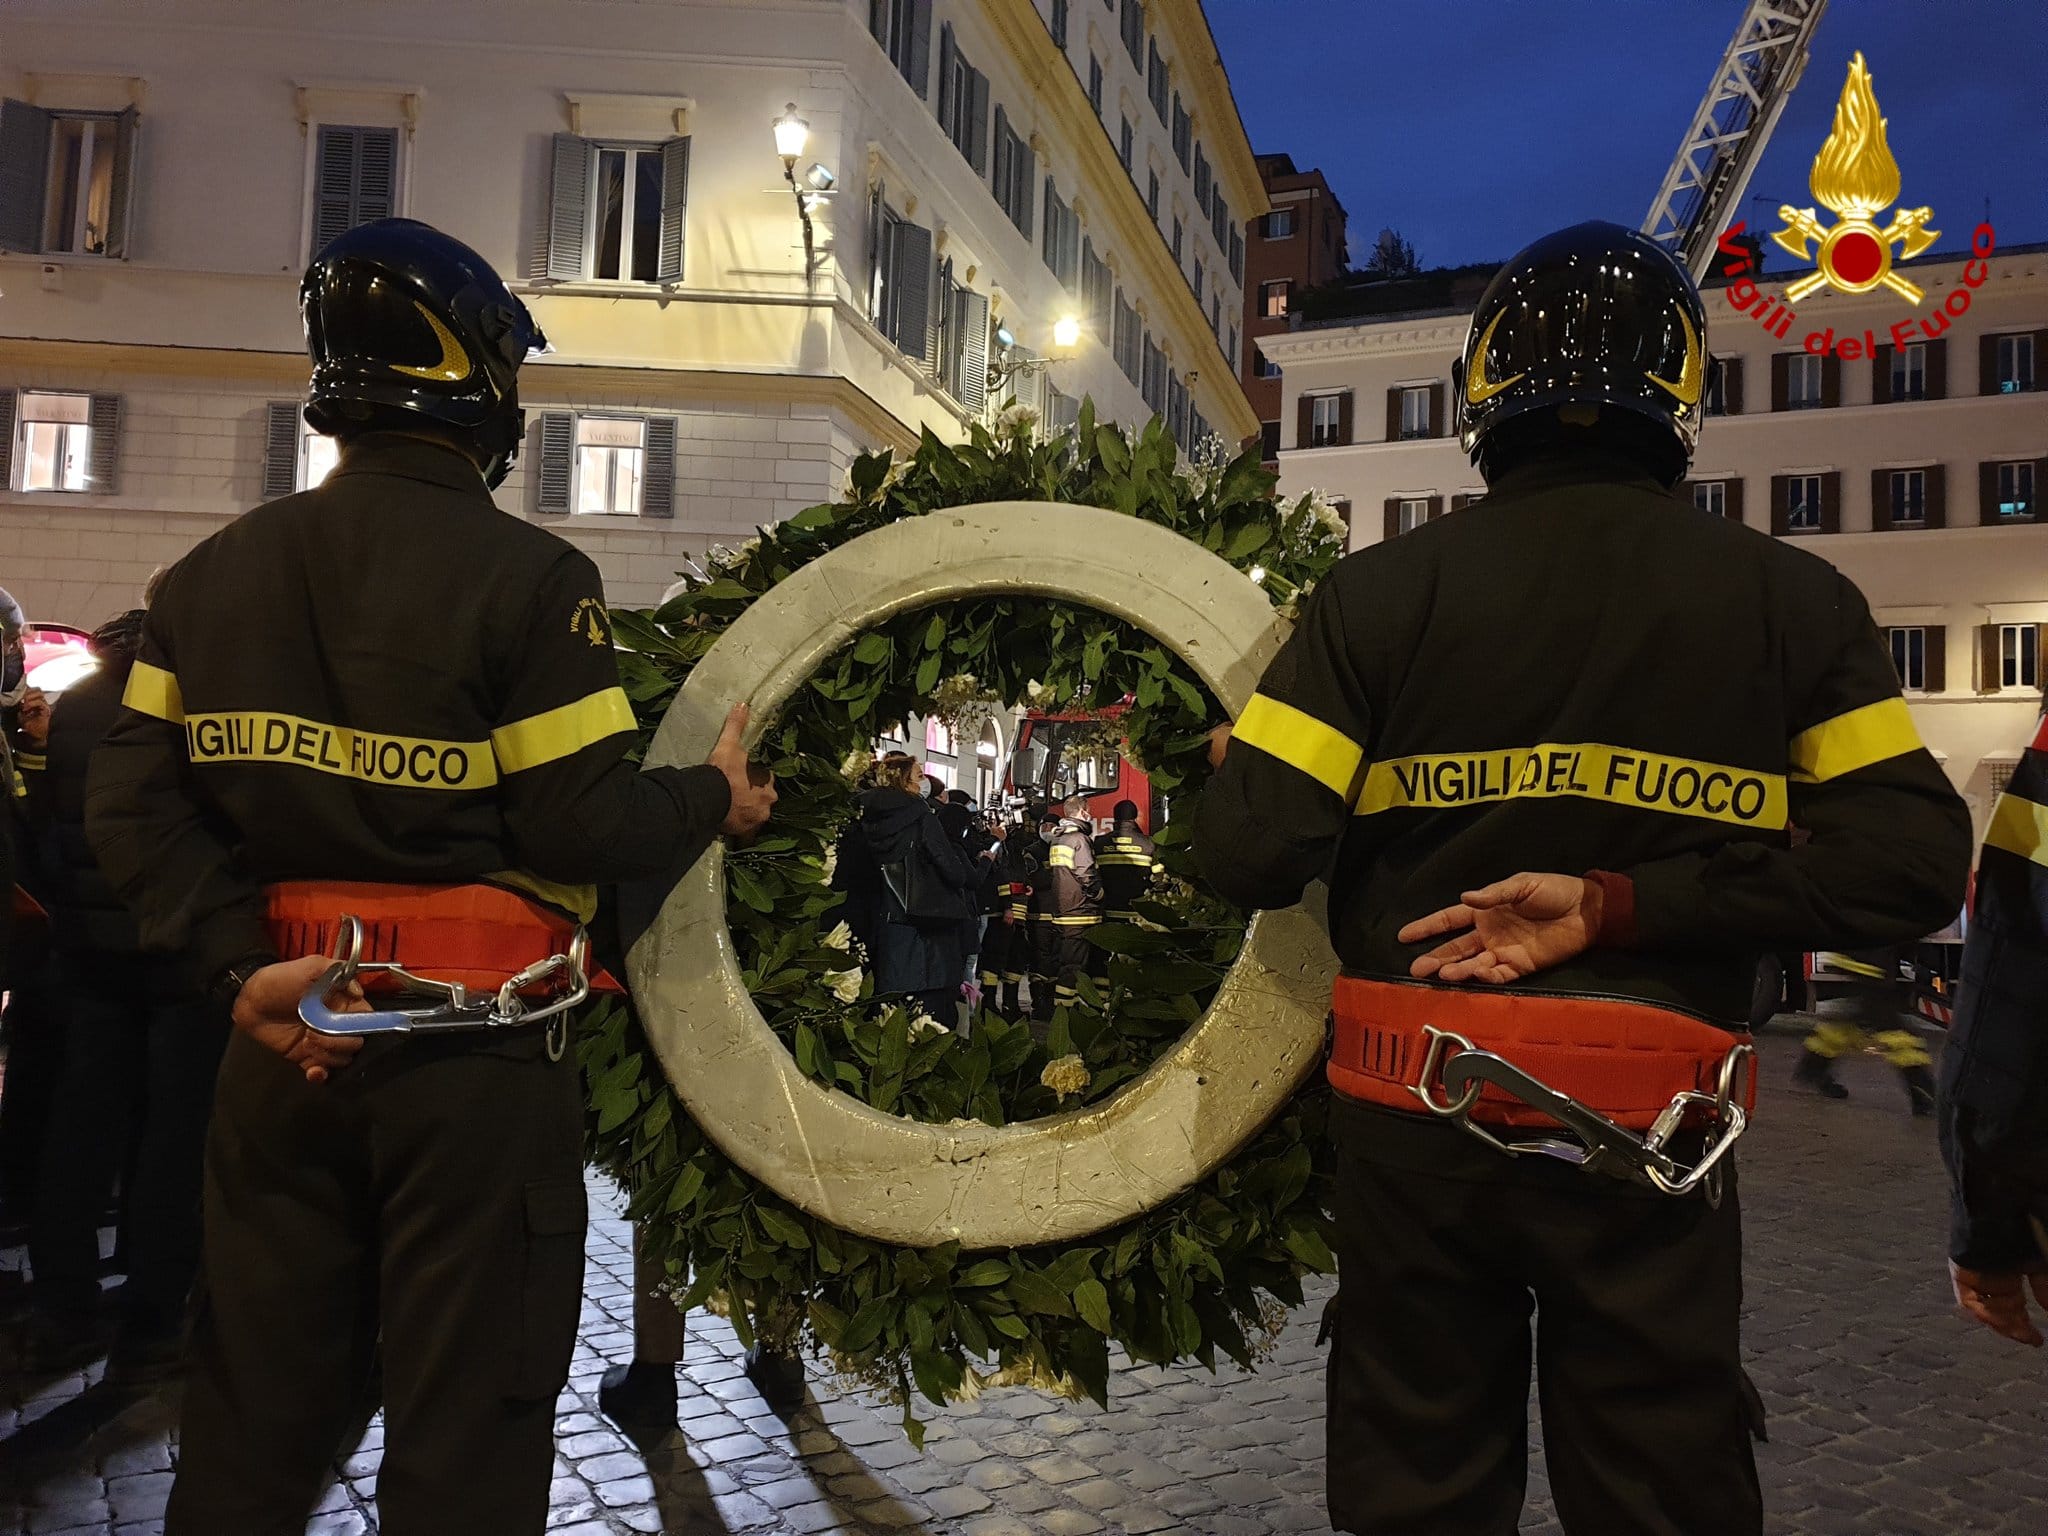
(559, 733)
(1060, 857)
(2019, 826)
(153, 691)
(1301, 741)
(1072, 922)
(408, 762)
(579, 901)
(1647, 781)
(1875, 733)
(31, 762)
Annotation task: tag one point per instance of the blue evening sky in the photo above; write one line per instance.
(1472, 126)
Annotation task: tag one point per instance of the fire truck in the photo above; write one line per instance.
(1058, 757)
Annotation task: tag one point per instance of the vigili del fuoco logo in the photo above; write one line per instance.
(1854, 177)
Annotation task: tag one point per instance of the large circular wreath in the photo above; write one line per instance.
(1213, 1268)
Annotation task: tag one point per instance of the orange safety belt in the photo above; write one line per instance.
(478, 935)
(1625, 1060)
(27, 909)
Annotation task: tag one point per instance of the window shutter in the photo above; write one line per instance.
(280, 449)
(121, 184)
(1987, 658)
(561, 255)
(917, 62)
(944, 105)
(1001, 179)
(1830, 380)
(1831, 502)
(878, 20)
(1344, 417)
(1880, 500)
(1937, 495)
(24, 161)
(1937, 369)
(658, 476)
(6, 439)
(1461, 499)
(557, 461)
(1781, 380)
(334, 184)
(1394, 415)
(1392, 506)
(977, 122)
(1731, 385)
(1881, 375)
(972, 312)
(1937, 658)
(1987, 365)
(1731, 500)
(376, 175)
(1304, 424)
(1027, 184)
(675, 205)
(106, 444)
(1987, 494)
(1436, 508)
(913, 279)
(1781, 496)
(1438, 427)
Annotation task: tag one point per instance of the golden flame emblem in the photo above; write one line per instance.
(1855, 176)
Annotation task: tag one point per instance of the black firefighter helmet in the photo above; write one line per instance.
(408, 326)
(1591, 330)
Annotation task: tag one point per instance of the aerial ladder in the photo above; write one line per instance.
(1727, 136)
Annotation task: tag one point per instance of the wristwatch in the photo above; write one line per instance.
(228, 981)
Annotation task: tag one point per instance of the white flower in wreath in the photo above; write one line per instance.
(829, 868)
(1320, 509)
(844, 985)
(922, 1024)
(1035, 690)
(857, 763)
(841, 937)
(1067, 1076)
(1016, 420)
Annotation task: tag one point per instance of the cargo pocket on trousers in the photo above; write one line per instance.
(550, 1287)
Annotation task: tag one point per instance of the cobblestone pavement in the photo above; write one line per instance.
(1887, 1415)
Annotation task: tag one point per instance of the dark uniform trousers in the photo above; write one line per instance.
(430, 1195)
(1063, 956)
(1446, 1248)
(1005, 956)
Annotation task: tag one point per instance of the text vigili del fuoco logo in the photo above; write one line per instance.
(1855, 177)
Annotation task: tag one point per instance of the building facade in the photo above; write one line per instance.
(1297, 245)
(725, 340)
(1916, 469)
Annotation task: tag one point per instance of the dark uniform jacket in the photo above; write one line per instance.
(1069, 889)
(85, 913)
(387, 679)
(1125, 858)
(1582, 671)
(1018, 866)
(1994, 1069)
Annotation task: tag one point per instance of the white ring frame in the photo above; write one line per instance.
(1051, 1180)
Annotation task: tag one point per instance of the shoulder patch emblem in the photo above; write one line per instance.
(588, 619)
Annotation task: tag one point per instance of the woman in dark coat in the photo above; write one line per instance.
(921, 960)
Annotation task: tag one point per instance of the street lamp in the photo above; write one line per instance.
(792, 133)
(1066, 332)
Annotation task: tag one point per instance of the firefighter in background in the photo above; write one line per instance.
(388, 680)
(1994, 1068)
(1125, 856)
(1066, 902)
(1514, 688)
(1871, 1018)
(1007, 942)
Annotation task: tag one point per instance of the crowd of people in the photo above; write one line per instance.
(1554, 850)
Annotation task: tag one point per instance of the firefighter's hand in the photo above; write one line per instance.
(1998, 1300)
(1219, 743)
(267, 1010)
(753, 787)
(1508, 930)
(33, 714)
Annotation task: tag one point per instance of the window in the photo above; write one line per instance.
(1412, 514)
(938, 737)
(1126, 338)
(1059, 23)
(610, 456)
(904, 29)
(1216, 315)
(1198, 279)
(2016, 492)
(1096, 289)
(1802, 502)
(1273, 299)
(55, 450)
(1803, 381)
(1127, 146)
(1717, 391)
(1230, 351)
(1152, 382)
(1015, 181)
(1268, 369)
(963, 102)
(1201, 179)
(2019, 655)
(1095, 84)
(1131, 23)
(1152, 195)
(1183, 132)
(1909, 372)
(1237, 255)
(1269, 440)
(1909, 497)
(355, 179)
(69, 186)
(1156, 86)
(1415, 420)
(2001, 777)
(900, 255)
(1220, 221)
(1176, 243)
(1279, 224)
(1909, 656)
(318, 454)
(1326, 414)
(1062, 243)
(2015, 364)
(1711, 496)
(616, 211)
